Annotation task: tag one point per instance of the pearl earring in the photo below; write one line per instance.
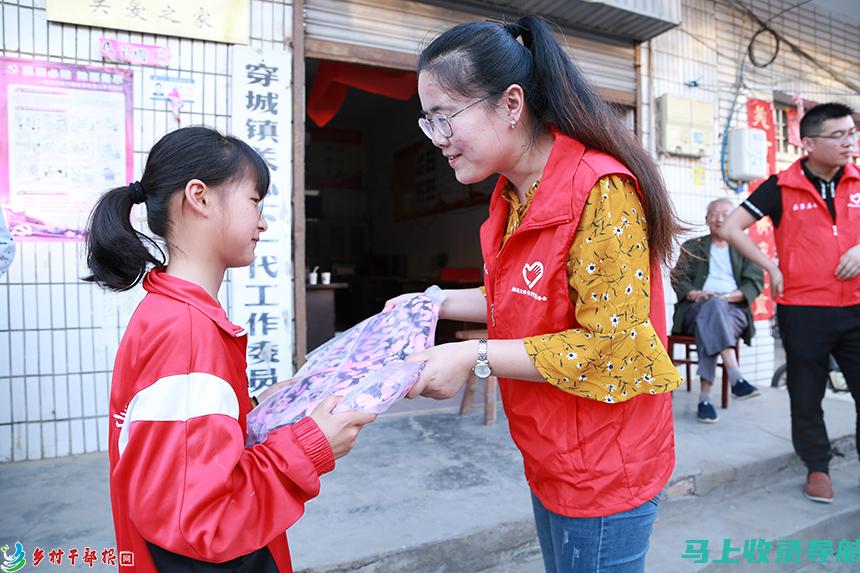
(513, 124)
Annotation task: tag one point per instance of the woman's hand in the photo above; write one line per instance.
(392, 302)
(447, 368)
(341, 430)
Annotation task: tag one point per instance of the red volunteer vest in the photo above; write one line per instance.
(583, 458)
(810, 245)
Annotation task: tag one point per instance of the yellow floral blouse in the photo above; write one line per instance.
(616, 353)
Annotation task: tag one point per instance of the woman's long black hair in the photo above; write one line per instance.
(481, 59)
(118, 255)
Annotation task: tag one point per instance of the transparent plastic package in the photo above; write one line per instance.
(365, 365)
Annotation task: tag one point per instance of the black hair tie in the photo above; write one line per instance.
(514, 29)
(137, 194)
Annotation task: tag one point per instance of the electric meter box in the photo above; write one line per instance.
(685, 126)
(747, 154)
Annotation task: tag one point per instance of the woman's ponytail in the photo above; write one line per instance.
(481, 59)
(118, 255)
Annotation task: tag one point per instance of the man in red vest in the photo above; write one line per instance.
(815, 208)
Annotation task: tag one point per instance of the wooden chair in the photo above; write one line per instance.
(689, 343)
(490, 393)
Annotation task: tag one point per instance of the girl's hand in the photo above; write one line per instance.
(448, 367)
(392, 302)
(276, 387)
(341, 430)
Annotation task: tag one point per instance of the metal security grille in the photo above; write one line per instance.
(58, 335)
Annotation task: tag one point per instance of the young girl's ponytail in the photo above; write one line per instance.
(118, 255)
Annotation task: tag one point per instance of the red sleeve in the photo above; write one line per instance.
(194, 489)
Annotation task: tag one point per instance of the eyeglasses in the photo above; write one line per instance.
(849, 137)
(442, 122)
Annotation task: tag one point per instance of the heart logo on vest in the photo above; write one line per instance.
(855, 199)
(532, 273)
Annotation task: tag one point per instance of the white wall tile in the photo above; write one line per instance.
(31, 352)
(70, 302)
(103, 425)
(73, 350)
(49, 439)
(10, 28)
(76, 428)
(6, 354)
(19, 442)
(91, 435)
(87, 362)
(61, 392)
(5, 443)
(5, 401)
(75, 396)
(64, 438)
(16, 339)
(34, 441)
(4, 307)
(58, 314)
(32, 399)
(46, 398)
(45, 354)
(102, 389)
(89, 394)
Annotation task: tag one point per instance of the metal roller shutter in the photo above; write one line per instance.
(402, 28)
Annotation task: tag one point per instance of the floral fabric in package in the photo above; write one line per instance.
(365, 365)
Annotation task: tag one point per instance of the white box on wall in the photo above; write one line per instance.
(747, 154)
(685, 126)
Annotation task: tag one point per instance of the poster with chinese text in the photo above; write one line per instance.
(67, 138)
(760, 116)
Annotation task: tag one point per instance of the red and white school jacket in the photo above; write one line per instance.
(810, 243)
(184, 489)
(582, 457)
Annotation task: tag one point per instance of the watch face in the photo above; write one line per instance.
(482, 370)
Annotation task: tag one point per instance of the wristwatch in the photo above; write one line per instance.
(482, 366)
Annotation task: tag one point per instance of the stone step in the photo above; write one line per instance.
(772, 511)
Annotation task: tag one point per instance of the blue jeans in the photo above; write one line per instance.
(612, 544)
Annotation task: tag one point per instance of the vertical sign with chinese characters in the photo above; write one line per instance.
(262, 293)
(760, 115)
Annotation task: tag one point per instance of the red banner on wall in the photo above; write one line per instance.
(762, 235)
(760, 116)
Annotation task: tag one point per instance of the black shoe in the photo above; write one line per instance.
(707, 413)
(743, 390)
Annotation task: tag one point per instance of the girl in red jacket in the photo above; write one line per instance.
(572, 293)
(186, 494)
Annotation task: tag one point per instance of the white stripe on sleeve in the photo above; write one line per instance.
(178, 399)
(754, 208)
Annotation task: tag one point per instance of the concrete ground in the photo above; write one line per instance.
(436, 492)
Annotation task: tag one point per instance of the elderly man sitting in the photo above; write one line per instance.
(716, 286)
